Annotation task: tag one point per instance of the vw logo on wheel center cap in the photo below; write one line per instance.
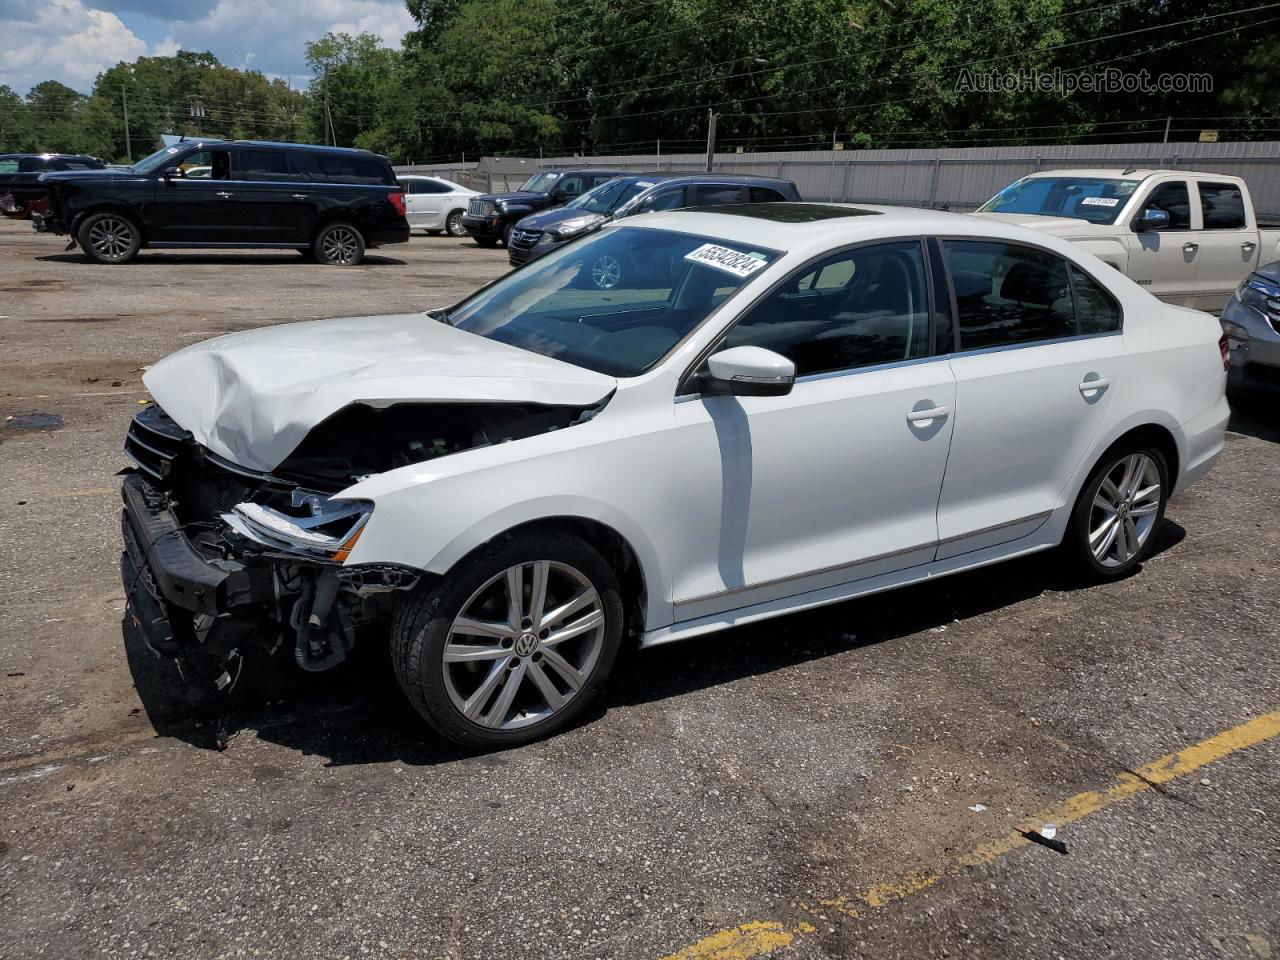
(526, 643)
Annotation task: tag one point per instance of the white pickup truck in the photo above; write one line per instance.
(1189, 238)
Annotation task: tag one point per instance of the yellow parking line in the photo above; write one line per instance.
(757, 938)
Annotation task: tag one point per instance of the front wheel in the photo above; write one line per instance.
(109, 238)
(339, 245)
(1114, 521)
(513, 646)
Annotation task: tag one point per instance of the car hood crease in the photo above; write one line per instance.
(252, 397)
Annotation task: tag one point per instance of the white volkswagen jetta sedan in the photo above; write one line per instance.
(786, 405)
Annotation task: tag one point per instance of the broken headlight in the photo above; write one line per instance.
(317, 528)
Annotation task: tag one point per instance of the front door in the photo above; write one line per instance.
(195, 209)
(1165, 261)
(839, 480)
(1035, 373)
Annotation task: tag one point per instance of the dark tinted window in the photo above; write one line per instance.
(860, 307)
(340, 167)
(1096, 309)
(715, 194)
(766, 195)
(431, 186)
(1173, 198)
(1007, 294)
(1222, 205)
(80, 165)
(261, 165)
(570, 186)
(664, 200)
(33, 164)
(596, 179)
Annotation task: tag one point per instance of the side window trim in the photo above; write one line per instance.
(683, 385)
(1069, 263)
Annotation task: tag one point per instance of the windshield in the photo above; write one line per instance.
(1096, 199)
(615, 302)
(540, 183)
(609, 196)
(156, 161)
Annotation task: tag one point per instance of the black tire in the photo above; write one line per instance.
(421, 627)
(506, 234)
(109, 237)
(453, 224)
(338, 245)
(433, 233)
(1086, 516)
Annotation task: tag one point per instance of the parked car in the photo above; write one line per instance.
(435, 204)
(20, 191)
(1251, 322)
(1187, 237)
(541, 233)
(332, 203)
(796, 405)
(491, 217)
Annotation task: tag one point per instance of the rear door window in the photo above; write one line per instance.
(766, 195)
(715, 194)
(1008, 294)
(664, 200)
(1222, 205)
(261, 165)
(33, 165)
(1096, 310)
(340, 168)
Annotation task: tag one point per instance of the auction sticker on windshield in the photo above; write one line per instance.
(1100, 201)
(722, 258)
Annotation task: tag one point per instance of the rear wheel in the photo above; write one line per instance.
(453, 225)
(514, 646)
(339, 245)
(109, 237)
(1115, 519)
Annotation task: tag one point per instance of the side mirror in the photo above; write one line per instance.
(1153, 218)
(747, 372)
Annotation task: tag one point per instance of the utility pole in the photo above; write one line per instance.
(658, 164)
(128, 145)
(711, 138)
(1167, 121)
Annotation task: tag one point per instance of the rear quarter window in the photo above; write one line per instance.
(342, 168)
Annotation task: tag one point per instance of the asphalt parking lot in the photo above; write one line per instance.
(853, 782)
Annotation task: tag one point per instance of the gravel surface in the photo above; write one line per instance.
(742, 777)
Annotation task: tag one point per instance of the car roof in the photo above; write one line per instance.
(818, 227)
(745, 178)
(47, 156)
(1105, 173)
(278, 144)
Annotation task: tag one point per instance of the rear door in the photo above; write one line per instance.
(1039, 355)
(1166, 261)
(1228, 242)
(267, 202)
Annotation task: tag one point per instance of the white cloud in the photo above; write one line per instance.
(271, 36)
(64, 41)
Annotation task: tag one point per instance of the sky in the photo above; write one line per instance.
(74, 40)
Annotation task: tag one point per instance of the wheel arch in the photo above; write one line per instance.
(111, 206)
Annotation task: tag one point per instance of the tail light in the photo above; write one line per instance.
(1225, 349)
(397, 201)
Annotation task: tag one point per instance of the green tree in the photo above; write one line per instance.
(351, 80)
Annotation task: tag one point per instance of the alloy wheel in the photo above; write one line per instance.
(454, 225)
(524, 645)
(1124, 510)
(606, 272)
(111, 238)
(341, 245)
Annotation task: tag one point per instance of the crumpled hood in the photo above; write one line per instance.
(252, 397)
(1058, 226)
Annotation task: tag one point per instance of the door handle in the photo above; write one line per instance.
(1093, 386)
(1248, 245)
(1190, 247)
(299, 196)
(932, 413)
(224, 195)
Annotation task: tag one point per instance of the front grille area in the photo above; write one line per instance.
(154, 443)
(524, 240)
(476, 208)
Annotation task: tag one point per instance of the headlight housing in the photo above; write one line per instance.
(323, 528)
(1261, 295)
(575, 226)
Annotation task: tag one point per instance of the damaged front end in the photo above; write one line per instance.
(220, 560)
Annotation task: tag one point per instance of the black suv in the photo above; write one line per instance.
(329, 202)
(21, 194)
(638, 193)
(491, 216)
